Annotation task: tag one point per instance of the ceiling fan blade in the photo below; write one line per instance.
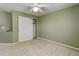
(28, 4)
(40, 10)
(43, 5)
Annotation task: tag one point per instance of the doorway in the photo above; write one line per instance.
(34, 28)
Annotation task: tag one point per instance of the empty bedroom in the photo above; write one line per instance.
(39, 29)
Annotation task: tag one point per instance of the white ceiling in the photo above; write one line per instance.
(22, 7)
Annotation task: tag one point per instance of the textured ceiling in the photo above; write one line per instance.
(23, 7)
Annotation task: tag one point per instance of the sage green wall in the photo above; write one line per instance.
(11, 20)
(61, 26)
(5, 20)
(5, 37)
(15, 15)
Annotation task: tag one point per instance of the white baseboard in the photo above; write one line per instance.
(24, 40)
(7, 43)
(60, 44)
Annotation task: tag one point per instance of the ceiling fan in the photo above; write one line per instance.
(37, 7)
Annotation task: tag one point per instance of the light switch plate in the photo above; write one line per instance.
(2, 27)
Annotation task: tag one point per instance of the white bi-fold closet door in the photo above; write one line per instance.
(25, 27)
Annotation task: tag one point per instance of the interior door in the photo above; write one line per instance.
(25, 27)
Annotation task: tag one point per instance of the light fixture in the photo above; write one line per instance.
(35, 9)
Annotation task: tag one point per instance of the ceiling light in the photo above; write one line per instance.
(35, 9)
